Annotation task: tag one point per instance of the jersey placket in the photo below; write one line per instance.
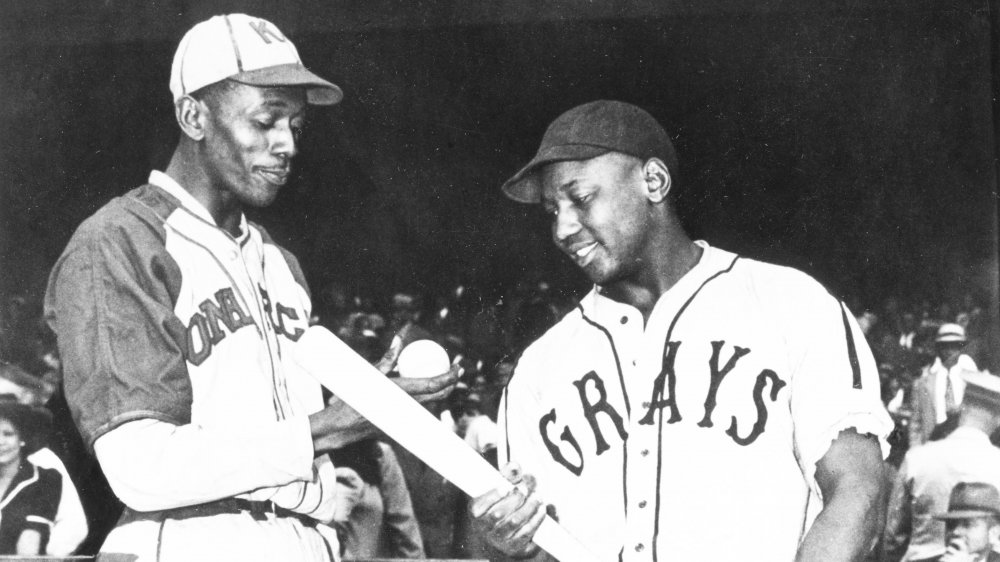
(625, 324)
(254, 280)
(230, 254)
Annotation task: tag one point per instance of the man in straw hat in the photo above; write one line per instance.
(697, 404)
(937, 393)
(929, 472)
(176, 319)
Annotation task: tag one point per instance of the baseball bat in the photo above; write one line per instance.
(363, 387)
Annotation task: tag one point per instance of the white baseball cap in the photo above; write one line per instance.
(245, 49)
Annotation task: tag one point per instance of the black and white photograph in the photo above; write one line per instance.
(561, 280)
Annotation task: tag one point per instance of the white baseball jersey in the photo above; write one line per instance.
(695, 437)
(161, 315)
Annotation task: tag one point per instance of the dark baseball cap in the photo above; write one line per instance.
(588, 131)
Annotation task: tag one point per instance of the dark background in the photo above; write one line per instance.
(852, 139)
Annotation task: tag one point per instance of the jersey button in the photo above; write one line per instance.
(640, 547)
(624, 319)
(644, 452)
(642, 504)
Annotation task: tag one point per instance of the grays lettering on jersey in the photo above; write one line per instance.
(702, 427)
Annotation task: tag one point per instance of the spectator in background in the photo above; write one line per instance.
(900, 346)
(929, 473)
(939, 390)
(30, 494)
(972, 524)
(69, 527)
(25, 387)
(374, 515)
(476, 428)
(364, 332)
(407, 310)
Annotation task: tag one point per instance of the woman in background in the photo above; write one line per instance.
(29, 495)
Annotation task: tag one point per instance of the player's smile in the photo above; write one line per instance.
(582, 254)
(277, 176)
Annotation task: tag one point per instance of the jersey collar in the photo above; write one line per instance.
(168, 184)
(606, 310)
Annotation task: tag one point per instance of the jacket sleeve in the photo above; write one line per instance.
(70, 525)
(918, 397)
(400, 525)
(898, 524)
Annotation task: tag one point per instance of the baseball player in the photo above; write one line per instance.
(176, 319)
(696, 404)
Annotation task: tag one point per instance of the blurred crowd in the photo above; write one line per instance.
(395, 506)
(903, 336)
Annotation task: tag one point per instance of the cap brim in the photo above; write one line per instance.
(525, 187)
(318, 91)
(965, 514)
(950, 339)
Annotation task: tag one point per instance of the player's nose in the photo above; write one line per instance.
(565, 224)
(283, 141)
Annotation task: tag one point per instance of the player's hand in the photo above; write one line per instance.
(432, 388)
(509, 520)
(957, 551)
(338, 424)
(422, 390)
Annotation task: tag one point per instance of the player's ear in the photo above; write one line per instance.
(657, 178)
(191, 116)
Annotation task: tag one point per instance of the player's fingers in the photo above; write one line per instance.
(526, 530)
(512, 534)
(483, 503)
(512, 512)
(513, 526)
(433, 388)
(530, 483)
(499, 514)
(512, 472)
(388, 361)
(456, 364)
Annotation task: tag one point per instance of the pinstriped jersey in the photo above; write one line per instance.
(161, 314)
(694, 437)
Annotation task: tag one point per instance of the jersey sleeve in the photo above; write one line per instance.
(835, 383)
(109, 302)
(152, 465)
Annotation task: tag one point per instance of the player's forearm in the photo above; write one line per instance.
(338, 425)
(153, 465)
(849, 524)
